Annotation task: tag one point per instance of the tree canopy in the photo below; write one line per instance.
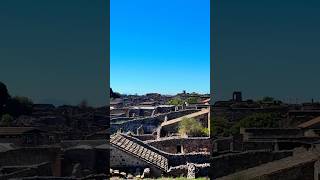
(114, 94)
(192, 100)
(176, 101)
(14, 106)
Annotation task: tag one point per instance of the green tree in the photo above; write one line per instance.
(19, 105)
(6, 120)
(192, 127)
(4, 97)
(257, 120)
(176, 101)
(192, 100)
(114, 94)
(24, 100)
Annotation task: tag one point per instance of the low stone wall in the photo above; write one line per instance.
(28, 156)
(91, 158)
(189, 145)
(202, 170)
(181, 159)
(149, 124)
(270, 133)
(258, 145)
(222, 145)
(173, 128)
(73, 143)
(120, 119)
(236, 114)
(230, 163)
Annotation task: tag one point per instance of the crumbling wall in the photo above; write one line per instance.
(222, 145)
(124, 161)
(201, 170)
(192, 144)
(182, 159)
(28, 156)
(149, 124)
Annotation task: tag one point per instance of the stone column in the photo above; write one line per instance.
(191, 171)
(316, 170)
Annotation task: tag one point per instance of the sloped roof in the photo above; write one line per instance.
(310, 123)
(193, 115)
(6, 147)
(139, 149)
(275, 166)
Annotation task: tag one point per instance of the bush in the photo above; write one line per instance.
(257, 120)
(192, 100)
(191, 127)
(176, 101)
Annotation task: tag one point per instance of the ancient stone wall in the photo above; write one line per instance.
(124, 161)
(120, 119)
(180, 159)
(145, 137)
(149, 124)
(73, 143)
(270, 133)
(173, 128)
(222, 145)
(91, 158)
(28, 156)
(188, 145)
(236, 114)
(258, 145)
(201, 170)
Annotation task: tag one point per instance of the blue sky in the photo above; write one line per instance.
(160, 46)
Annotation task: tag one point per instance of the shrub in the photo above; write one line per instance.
(191, 127)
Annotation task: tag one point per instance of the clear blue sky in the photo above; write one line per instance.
(160, 46)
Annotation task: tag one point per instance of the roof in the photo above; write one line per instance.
(261, 171)
(116, 101)
(193, 115)
(6, 147)
(16, 130)
(139, 149)
(206, 100)
(310, 123)
(148, 103)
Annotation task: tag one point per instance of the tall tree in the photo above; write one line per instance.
(4, 97)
